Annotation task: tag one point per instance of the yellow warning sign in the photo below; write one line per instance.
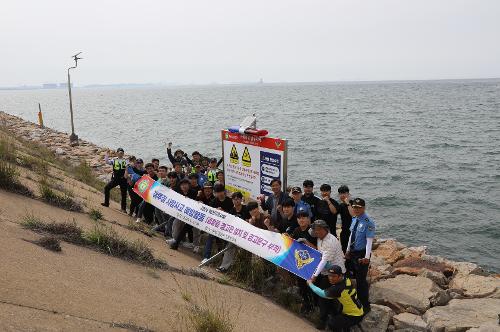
(233, 157)
(245, 159)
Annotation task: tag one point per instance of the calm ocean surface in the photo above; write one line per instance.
(425, 155)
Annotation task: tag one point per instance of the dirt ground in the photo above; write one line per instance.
(79, 289)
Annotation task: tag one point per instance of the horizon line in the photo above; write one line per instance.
(159, 84)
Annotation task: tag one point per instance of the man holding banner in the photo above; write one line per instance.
(332, 254)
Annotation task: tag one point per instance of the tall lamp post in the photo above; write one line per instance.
(73, 138)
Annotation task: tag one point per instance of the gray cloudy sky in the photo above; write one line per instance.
(236, 41)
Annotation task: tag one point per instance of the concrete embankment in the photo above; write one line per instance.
(411, 290)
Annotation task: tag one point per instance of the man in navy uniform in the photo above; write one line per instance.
(359, 250)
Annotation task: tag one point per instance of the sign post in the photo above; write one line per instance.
(252, 162)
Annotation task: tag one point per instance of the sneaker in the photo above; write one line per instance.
(104, 204)
(170, 241)
(138, 220)
(124, 211)
(204, 260)
(221, 269)
(196, 249)
(188, 245)
(174, 246)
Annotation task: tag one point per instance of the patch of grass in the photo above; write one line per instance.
(9, 176)
(67, 231)
(95, 214)
(32, 163)
(8, 151)
(251, 270)
(50, 243)
(224, 280)
(53, 198)
(107, 240)
(101, 238)
(205, 314)
(152, 273)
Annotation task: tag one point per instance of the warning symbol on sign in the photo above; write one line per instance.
(233, 157)
(245, 159)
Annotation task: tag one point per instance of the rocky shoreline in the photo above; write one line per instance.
(411, 290)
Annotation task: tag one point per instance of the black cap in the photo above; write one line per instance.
(359, 202)
(302, 213)
(119, 149)
(296, 190)
(213, 160)
(308, 183)
(335, 269)
(343, 189)
(219, 187)
(140, 161)
(208, 184)
(320, 223)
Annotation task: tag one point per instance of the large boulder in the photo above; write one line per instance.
(410, 322)
(404, 293)
(476, 286)
(389, 251)
(377, 320)
(460, 315)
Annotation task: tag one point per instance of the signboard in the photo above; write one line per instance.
(252, 162)
(279, 249)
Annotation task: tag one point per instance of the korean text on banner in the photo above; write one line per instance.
(274, 247)
(252, 162)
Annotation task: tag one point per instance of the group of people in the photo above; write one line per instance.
(338, 286)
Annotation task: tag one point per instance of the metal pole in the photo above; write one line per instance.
(72, 138)
(211, 259)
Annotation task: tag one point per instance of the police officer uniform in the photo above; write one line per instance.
(362, 229)
(118, 179)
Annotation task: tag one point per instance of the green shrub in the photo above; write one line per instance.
(9, 179)
(67, 231)
(63, 201)
(95, 214)
(8, 151)
(251, 270)
(50, 243)
(32, 163)
(205, 312)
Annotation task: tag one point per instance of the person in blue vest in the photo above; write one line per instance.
(118, 178)
(360, 248)
(342, 289)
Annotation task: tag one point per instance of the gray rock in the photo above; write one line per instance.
(60, 152)
(442, 297)
(460, 315)
(486, 327)
(438, 277)
(476, 286)
(404, 292)
(409, 321)
(377, 320)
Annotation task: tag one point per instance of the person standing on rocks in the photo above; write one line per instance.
(360, 248)
(118, 179)
(332, 254)
(346, 213)
(342, 289)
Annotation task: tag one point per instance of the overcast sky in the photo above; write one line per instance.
(240, 41)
